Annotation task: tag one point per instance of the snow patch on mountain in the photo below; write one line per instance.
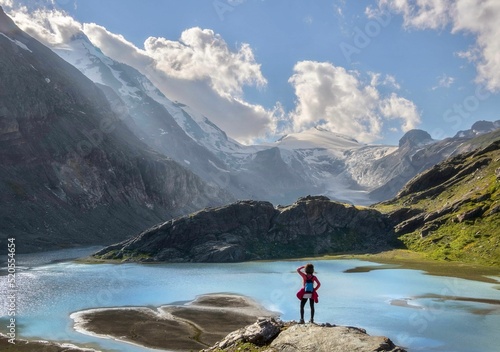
(17, 42)
(315, 138)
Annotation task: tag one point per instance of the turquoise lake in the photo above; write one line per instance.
(417, 311)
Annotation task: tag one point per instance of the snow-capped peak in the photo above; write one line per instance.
(99, 68)
(317, 138)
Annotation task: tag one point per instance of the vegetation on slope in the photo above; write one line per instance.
(452, 211)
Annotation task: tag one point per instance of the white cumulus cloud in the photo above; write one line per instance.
(477, 17)
(201, 54)
(332, 97)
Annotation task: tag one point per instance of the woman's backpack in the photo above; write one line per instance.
(309, 285)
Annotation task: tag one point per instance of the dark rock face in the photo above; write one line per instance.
(71, 172)
(249, 230)
(415, 138)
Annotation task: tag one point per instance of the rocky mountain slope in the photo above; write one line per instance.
(71, 171)
(149, 112)
(250, 230)
(452, 211)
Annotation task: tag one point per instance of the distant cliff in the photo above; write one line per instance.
(248, 230)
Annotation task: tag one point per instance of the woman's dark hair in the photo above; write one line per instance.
(309, 269)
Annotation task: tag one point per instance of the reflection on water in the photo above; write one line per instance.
(405, 302)
(368, 268)
(419, 311)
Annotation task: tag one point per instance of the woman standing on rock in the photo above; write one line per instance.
(308, 291)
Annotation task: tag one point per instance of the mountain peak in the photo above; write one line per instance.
(478, 128)
(415, 137)
(6, 23)
(80, 36)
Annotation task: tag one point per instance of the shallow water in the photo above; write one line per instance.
(417, 311)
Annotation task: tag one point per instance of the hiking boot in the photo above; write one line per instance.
(311, 321)
(301, 321)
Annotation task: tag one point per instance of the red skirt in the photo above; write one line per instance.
(300, 295)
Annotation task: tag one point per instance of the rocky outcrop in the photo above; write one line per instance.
(260, 333)
(248, 230)
(273, 335)
(71, 172)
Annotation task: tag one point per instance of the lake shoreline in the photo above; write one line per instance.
(406, 259)
(30, 345)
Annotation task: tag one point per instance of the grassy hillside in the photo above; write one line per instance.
(452, 211)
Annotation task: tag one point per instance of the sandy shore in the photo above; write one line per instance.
(22, 345)
(193, 326)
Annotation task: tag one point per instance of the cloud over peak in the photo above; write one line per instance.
(51, 27)
(341, 101)
(201, 54)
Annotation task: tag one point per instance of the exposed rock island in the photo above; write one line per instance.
(253, 230)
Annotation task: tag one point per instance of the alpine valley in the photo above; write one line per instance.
(93, 153)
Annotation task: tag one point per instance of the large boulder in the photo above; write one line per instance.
(274, 335)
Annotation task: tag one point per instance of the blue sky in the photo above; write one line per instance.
(369, 69)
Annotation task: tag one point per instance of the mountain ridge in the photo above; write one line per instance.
(314, 161)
